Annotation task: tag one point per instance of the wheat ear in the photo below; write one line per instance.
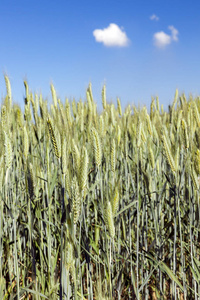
(197, 160)
(139, 134)
(151, 157)
(8, 88)
(1, 176)
(8, 151)
(76, 156)
(118, 135)
(113, 156)
(104, 96)
(76, 202)
(177, 158)
(89, 100)
(67, 183)
(185, 134)
(112, 115)
(69, 255)
(26, 143)
(64, 157)
(4, 117)
(53, 138)
(115, 201)
(53, 92)
(27, 92)
(196, 113)
(168, 153)
(68, 112)
(152, 107)
(149, 126)
(84, 171)
(109, 219)
(97, 147)
(194, 178)
(119, 108)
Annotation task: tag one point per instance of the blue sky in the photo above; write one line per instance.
(120, 43)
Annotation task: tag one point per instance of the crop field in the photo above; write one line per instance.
(99, 205)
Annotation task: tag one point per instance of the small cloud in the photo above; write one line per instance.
(112, 36)
(162, 39)
(154, 17)
(174, 32)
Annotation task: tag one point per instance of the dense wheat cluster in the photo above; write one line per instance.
(99, 205)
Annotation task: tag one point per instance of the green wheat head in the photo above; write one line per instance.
(27, 92)
(68, 112)
(108, 215)
(185, 133)
(26, 143)
(64, 155)
(168, 153)
(8, 151)
(196, 113)
(97, 147)
(104, 96)
(119, 108)
(113, 156)
(8, 88)
(53, 138)
(53, 92)
(194, 178)
(84, 171)
(115, 201)
(197, 161)
(76, 201)
(149, 125)
(76, 157)
(151, 158)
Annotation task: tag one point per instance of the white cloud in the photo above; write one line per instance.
(111, 36)
(162, 39)
(174, 32)
(154, 17)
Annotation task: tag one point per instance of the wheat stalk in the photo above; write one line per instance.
(30, 181)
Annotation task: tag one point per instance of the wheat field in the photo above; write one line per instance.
(99, 205)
